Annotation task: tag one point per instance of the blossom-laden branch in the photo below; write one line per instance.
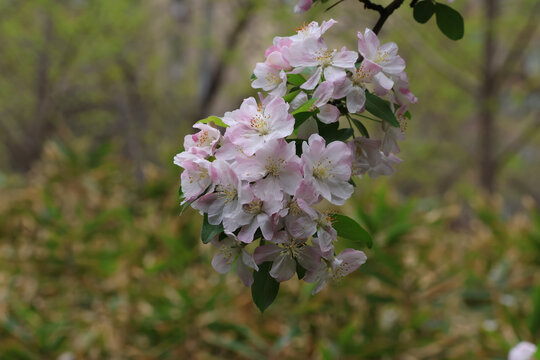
(264, 178)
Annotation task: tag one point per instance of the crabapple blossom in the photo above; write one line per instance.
(270, 78)
(223, 202)
(522, 351)
(312, 30)
(259, 204)
(202, 143)
(195, 177)
(328, 168)
(328, 113)
(335, 268)
(260, 184)
(303, 6)
(385, 56)
(283, 256)
(253, 125)
(331, 63)
(301, 217)
(353, 87)
(231, 250)
(277, 163)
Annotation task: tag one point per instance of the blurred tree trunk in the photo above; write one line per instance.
(211, 85)
(24, 150)
(487, 99)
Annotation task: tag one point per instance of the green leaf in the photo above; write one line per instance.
(185, 206)
(449, 21)
(290, 96)
(339, 135)
(213, 119)
(265, 288)
(349, 229)
(360, 127)
(380, 108)
(295, 79)
(253, 77)
(209, 231)
(181, 197)
(305, 107)
(423, 11)
(300, 271)
(300, 118)
(534, 321)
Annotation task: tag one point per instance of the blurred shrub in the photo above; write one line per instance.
(93, 266)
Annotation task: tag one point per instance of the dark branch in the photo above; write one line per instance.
(384, 12)
(334, 5)
(520, 44)
(369, 5)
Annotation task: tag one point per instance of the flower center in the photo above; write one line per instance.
(321, 171)
(324, 57)
(229, 192)
(272, 79)
(294, 209)
(382, 57)
(227, 253)
(253, 207)
(202, 138)
(274, 166)
(202, 174)
(259, 123)
(360, 76)
(292, 248)
(341, 271)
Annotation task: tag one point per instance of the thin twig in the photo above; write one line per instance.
(334, 5)
(350, 125)
(384, 12)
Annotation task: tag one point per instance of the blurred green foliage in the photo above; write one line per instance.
(94, 266)
(96, 263)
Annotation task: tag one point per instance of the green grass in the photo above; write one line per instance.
(93, 265)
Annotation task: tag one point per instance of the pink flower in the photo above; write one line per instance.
(275, 54)
(223, 201)
(313, 52)
(402, 93)
(354, 87)
(270, 79)
(204, 142)
(393, 134)
(253, 125)
(312, 30)
(283, 256)
(340, 266)
(301, 219)
(328, 168)
(259, 204)
(326, 234)
(195, 178)
(230, 250)
(365, 154)
(228, 151)
(384, 55)
(303, 6)
(277, 163)
(522, 351)
(327, 113)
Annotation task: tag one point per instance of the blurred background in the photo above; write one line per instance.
(96, 263)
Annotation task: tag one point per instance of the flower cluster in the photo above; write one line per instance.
(263, 179)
